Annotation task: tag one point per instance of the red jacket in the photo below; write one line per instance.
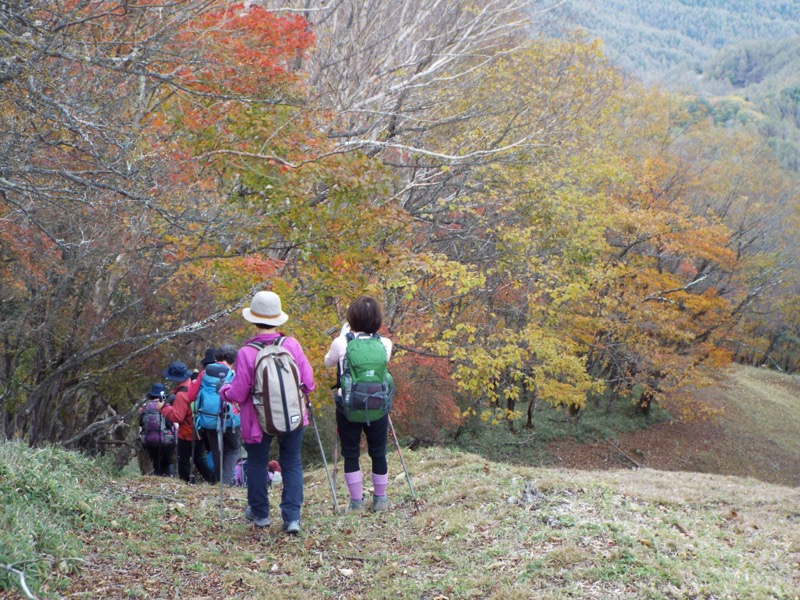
(180, 411)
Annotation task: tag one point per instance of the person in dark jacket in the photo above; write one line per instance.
(162, 449)
(180, 412)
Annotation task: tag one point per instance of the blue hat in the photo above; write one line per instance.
(157, 390)
(177, 371)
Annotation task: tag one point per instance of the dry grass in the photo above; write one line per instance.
(486, 529)
(632, 534)
(757, 435)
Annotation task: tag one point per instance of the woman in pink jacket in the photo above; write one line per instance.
(266, 314)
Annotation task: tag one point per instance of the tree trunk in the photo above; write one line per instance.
(531, 409)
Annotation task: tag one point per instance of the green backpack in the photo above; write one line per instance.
(367, 386)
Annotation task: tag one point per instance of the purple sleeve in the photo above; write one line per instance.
(240, 390)
(306, 372)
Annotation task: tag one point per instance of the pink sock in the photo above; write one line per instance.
(379, 482)
(353, 481)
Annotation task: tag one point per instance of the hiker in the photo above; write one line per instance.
(194, 388)
(225, 356)
(180, 412)
(364, 318)
(157, 433)
(265, 314)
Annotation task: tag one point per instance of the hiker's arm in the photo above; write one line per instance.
(194, 387)
(240, 390)
(306, 372)
(387, 343)
(334, 355)
(176, 411)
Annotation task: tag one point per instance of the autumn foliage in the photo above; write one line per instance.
(538, 230)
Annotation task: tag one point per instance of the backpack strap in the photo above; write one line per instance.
(350, 336)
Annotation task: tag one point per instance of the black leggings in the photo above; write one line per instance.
(185, 460)
(350, 439)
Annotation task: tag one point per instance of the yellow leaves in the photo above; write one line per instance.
(498, 415)
(457, 276)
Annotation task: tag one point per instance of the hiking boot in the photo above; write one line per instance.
(258, 522)
(292, 527)
(356, 505)
(379, 504)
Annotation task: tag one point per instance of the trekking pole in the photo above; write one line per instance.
(220, 425)
(335, 456)
(403, 462)
(322, 452)
(191, 459)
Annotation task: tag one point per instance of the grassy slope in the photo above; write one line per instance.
(636, 534)
(762, 424)
(757, 435)
(576, 534)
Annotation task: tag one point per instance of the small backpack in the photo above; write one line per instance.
(239, 475)
(207, 409)
(367, 386)
(157, 430)
(274, 475)
(277, 395)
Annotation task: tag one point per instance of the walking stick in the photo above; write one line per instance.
(403, 462)
(220, 426)
(191, 458)
(335, 456)
(322, 452)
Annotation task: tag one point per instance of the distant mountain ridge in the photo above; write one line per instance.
(648, 39)
(741, 58)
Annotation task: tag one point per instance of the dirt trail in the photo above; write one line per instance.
(758, 435)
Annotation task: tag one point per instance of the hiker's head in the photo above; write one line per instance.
(157, 391)
(226, 353)
(209, 358)
(365, 315)
(265, 311)
(177, 371)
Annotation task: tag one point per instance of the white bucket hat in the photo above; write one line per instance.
(265, 308)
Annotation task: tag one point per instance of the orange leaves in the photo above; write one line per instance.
(425, 396)
(246, 50)
(21, 252)
(260, 267)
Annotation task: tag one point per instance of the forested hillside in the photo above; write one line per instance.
(648, 39)
(739, 58)
(757, 85)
